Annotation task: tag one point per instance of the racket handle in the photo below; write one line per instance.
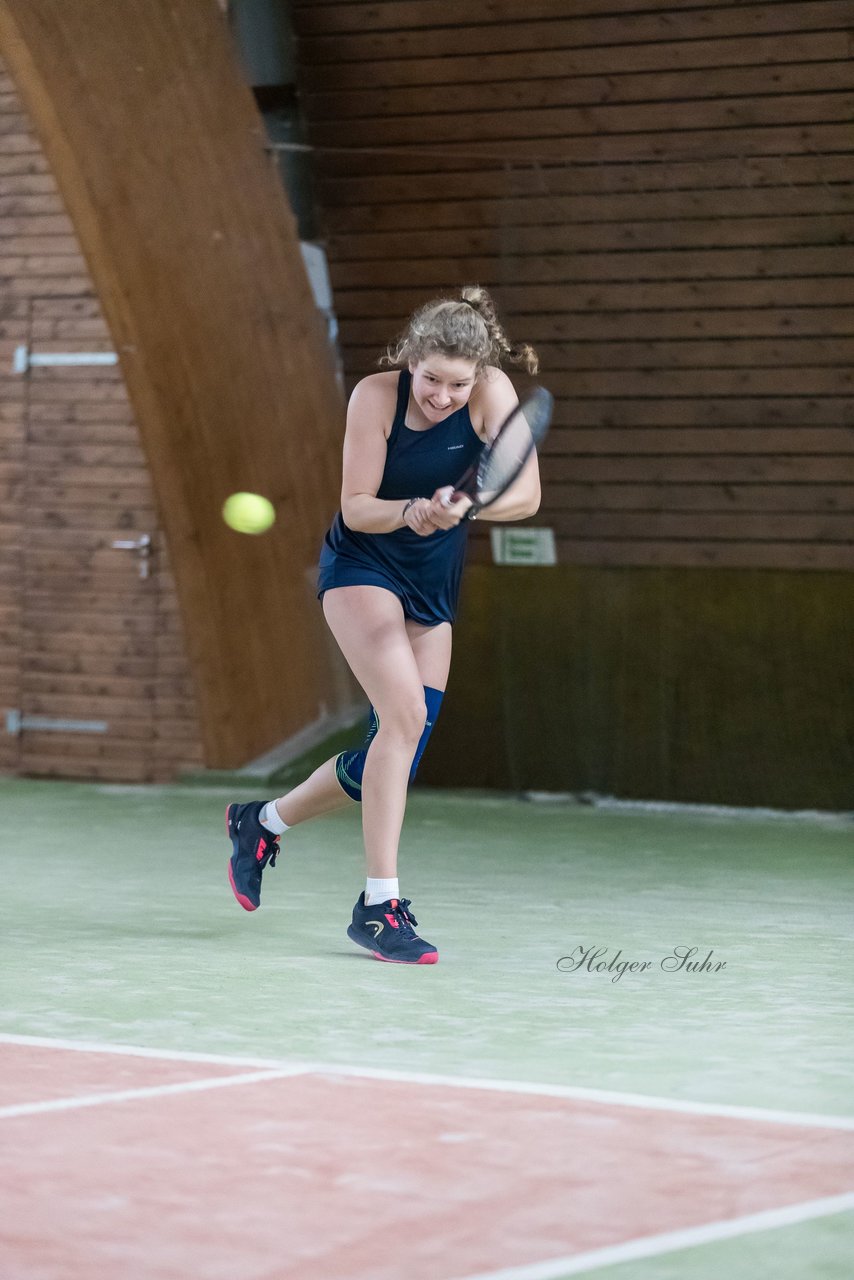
(449, 499)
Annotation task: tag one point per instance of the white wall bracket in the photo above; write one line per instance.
(25, 359)
(16, 723)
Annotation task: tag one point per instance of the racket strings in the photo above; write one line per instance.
(506, 457)
(502, 461)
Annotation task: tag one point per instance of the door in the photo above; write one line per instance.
(89, 559)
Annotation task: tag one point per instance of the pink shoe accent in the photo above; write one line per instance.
(430, 957)
(241, 897)
(262, 845)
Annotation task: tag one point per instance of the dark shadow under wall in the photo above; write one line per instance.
(712, 686)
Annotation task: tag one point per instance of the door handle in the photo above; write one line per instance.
(142, 547)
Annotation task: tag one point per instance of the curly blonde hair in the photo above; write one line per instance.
(465, 327)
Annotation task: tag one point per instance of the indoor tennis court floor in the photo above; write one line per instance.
(633, 1059)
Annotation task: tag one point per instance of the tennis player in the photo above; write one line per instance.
(389, 579)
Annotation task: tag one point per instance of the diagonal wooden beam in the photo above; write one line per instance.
(159, 152)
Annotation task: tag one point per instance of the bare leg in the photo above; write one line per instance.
(431, 648)
(322, 792)
(371, 631)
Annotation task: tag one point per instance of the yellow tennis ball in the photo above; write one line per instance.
(248, 513)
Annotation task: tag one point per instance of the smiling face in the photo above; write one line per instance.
(441, 385)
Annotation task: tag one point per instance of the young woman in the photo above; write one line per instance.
(389, 579)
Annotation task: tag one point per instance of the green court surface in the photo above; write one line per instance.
(120, 927)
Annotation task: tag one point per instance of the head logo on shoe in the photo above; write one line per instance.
(400, 943)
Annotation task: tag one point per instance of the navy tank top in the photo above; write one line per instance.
(425, 573)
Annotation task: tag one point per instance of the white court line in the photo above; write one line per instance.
(573, 1092)
(579, 1093)
(151, 1091)
(672, 1241)
(140, 1051)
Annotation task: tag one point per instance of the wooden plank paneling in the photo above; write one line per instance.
(583, 333)
(612, 297)
(510, 184)
(547, 61)
(420, 39)
(696, 234)
(78, 634)
(12, 437)
(686, 353)
(688, 145)
(83, 597)
(537, 125)
(569, 268)
(661, 199)
(14, 320)
(702, 497)
(653, 211)
(194, 254)
(674, 86)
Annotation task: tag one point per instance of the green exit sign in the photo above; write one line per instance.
(523, 546)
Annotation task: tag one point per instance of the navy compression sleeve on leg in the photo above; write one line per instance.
(350, 765)
(433, 700)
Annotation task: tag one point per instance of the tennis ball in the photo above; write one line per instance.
(248, 513)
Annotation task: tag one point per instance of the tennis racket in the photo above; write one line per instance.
(504, 457)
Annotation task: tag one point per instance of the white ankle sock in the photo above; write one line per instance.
(381, 890)
(269, 818)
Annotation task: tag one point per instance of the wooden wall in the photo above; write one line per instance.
(82, 636)
(661, 198)
(715, 686)
(159, 152)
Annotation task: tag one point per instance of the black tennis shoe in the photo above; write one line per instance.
(385, 929)
(254, 848)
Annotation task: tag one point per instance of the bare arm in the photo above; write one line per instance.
(496, 398)
(521, 500)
